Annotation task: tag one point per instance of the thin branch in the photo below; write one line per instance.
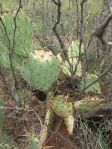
(9, 42)
(59, 4)
(81, 33)
(10, 49)
(56, 3)
(107, 3)
(15, 24)
(6, 88)
(102, 109)
(15, 27)
(23, 110)
(99, 30)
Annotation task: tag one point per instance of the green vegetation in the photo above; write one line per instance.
(60, 51)
(41, 70)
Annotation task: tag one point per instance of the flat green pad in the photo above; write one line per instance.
(20, 36)
(41, 70)
(94, 88)
(61, 106)
(87, 103)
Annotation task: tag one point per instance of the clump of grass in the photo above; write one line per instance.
(91, 138)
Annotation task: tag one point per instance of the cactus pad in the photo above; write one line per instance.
(17, 42)
(4, 58)
(7, 146)
(23, 33)
(89, 79)
(6, 142)
(61, 107)
(87, 103)
(41, 70)
(69, 121)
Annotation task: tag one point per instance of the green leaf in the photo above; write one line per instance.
(95, 88)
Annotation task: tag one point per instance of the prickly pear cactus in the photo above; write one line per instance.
(94, 88)
(41, 70)
(7, 142)
(23, 33)
(4, 58)
(7, 146)
(69, 121)
(63, 108)
(87, 103)
(17, 39)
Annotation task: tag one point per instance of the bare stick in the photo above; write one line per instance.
(101, 27)
(63, 52)
(102, 109)
(107, 3)
(81, 33)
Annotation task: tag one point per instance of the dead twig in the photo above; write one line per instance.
(101, 110)
(58, 4)
(99, 29)
(107, 3)
(81, 33)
